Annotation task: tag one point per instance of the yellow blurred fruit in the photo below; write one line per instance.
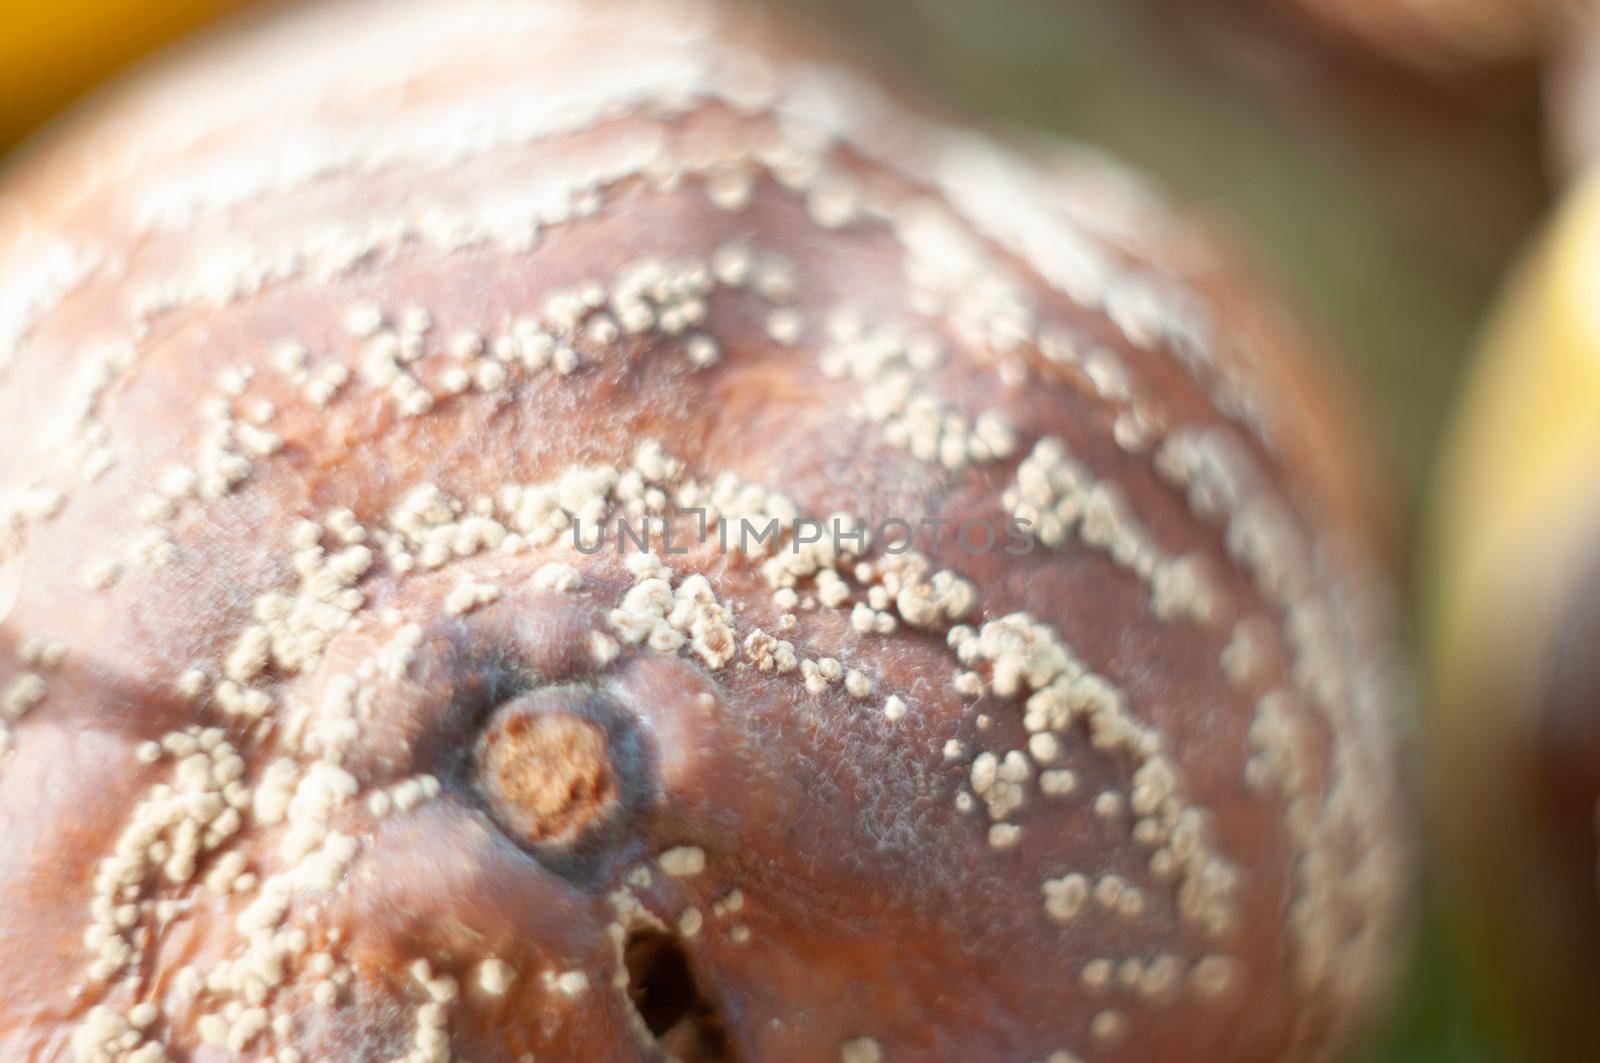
(1515, 643)
(53, 50)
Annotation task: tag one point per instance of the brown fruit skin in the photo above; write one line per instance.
(1572, 87)
(826, 865)
(1446, 38)
(1519, 761)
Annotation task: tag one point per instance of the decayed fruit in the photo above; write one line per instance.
(343, 368)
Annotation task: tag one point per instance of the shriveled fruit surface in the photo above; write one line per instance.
(344, 722)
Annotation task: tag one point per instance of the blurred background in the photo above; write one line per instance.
(1386, 183)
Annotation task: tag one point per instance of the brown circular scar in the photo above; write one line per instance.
(545, 772)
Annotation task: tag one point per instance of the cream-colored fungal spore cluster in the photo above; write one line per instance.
(1054, 496)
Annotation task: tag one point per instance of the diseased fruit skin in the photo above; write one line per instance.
(333, 732)
(1516, 718)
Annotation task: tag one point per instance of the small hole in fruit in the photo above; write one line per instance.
(664, 992)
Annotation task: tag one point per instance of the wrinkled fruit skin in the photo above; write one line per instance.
(332, 733)
(1514, 627)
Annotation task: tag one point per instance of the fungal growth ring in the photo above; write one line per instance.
(342, 721)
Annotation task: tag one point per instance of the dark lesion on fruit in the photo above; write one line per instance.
(662, 988)
(562, 769)
(566, 771)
